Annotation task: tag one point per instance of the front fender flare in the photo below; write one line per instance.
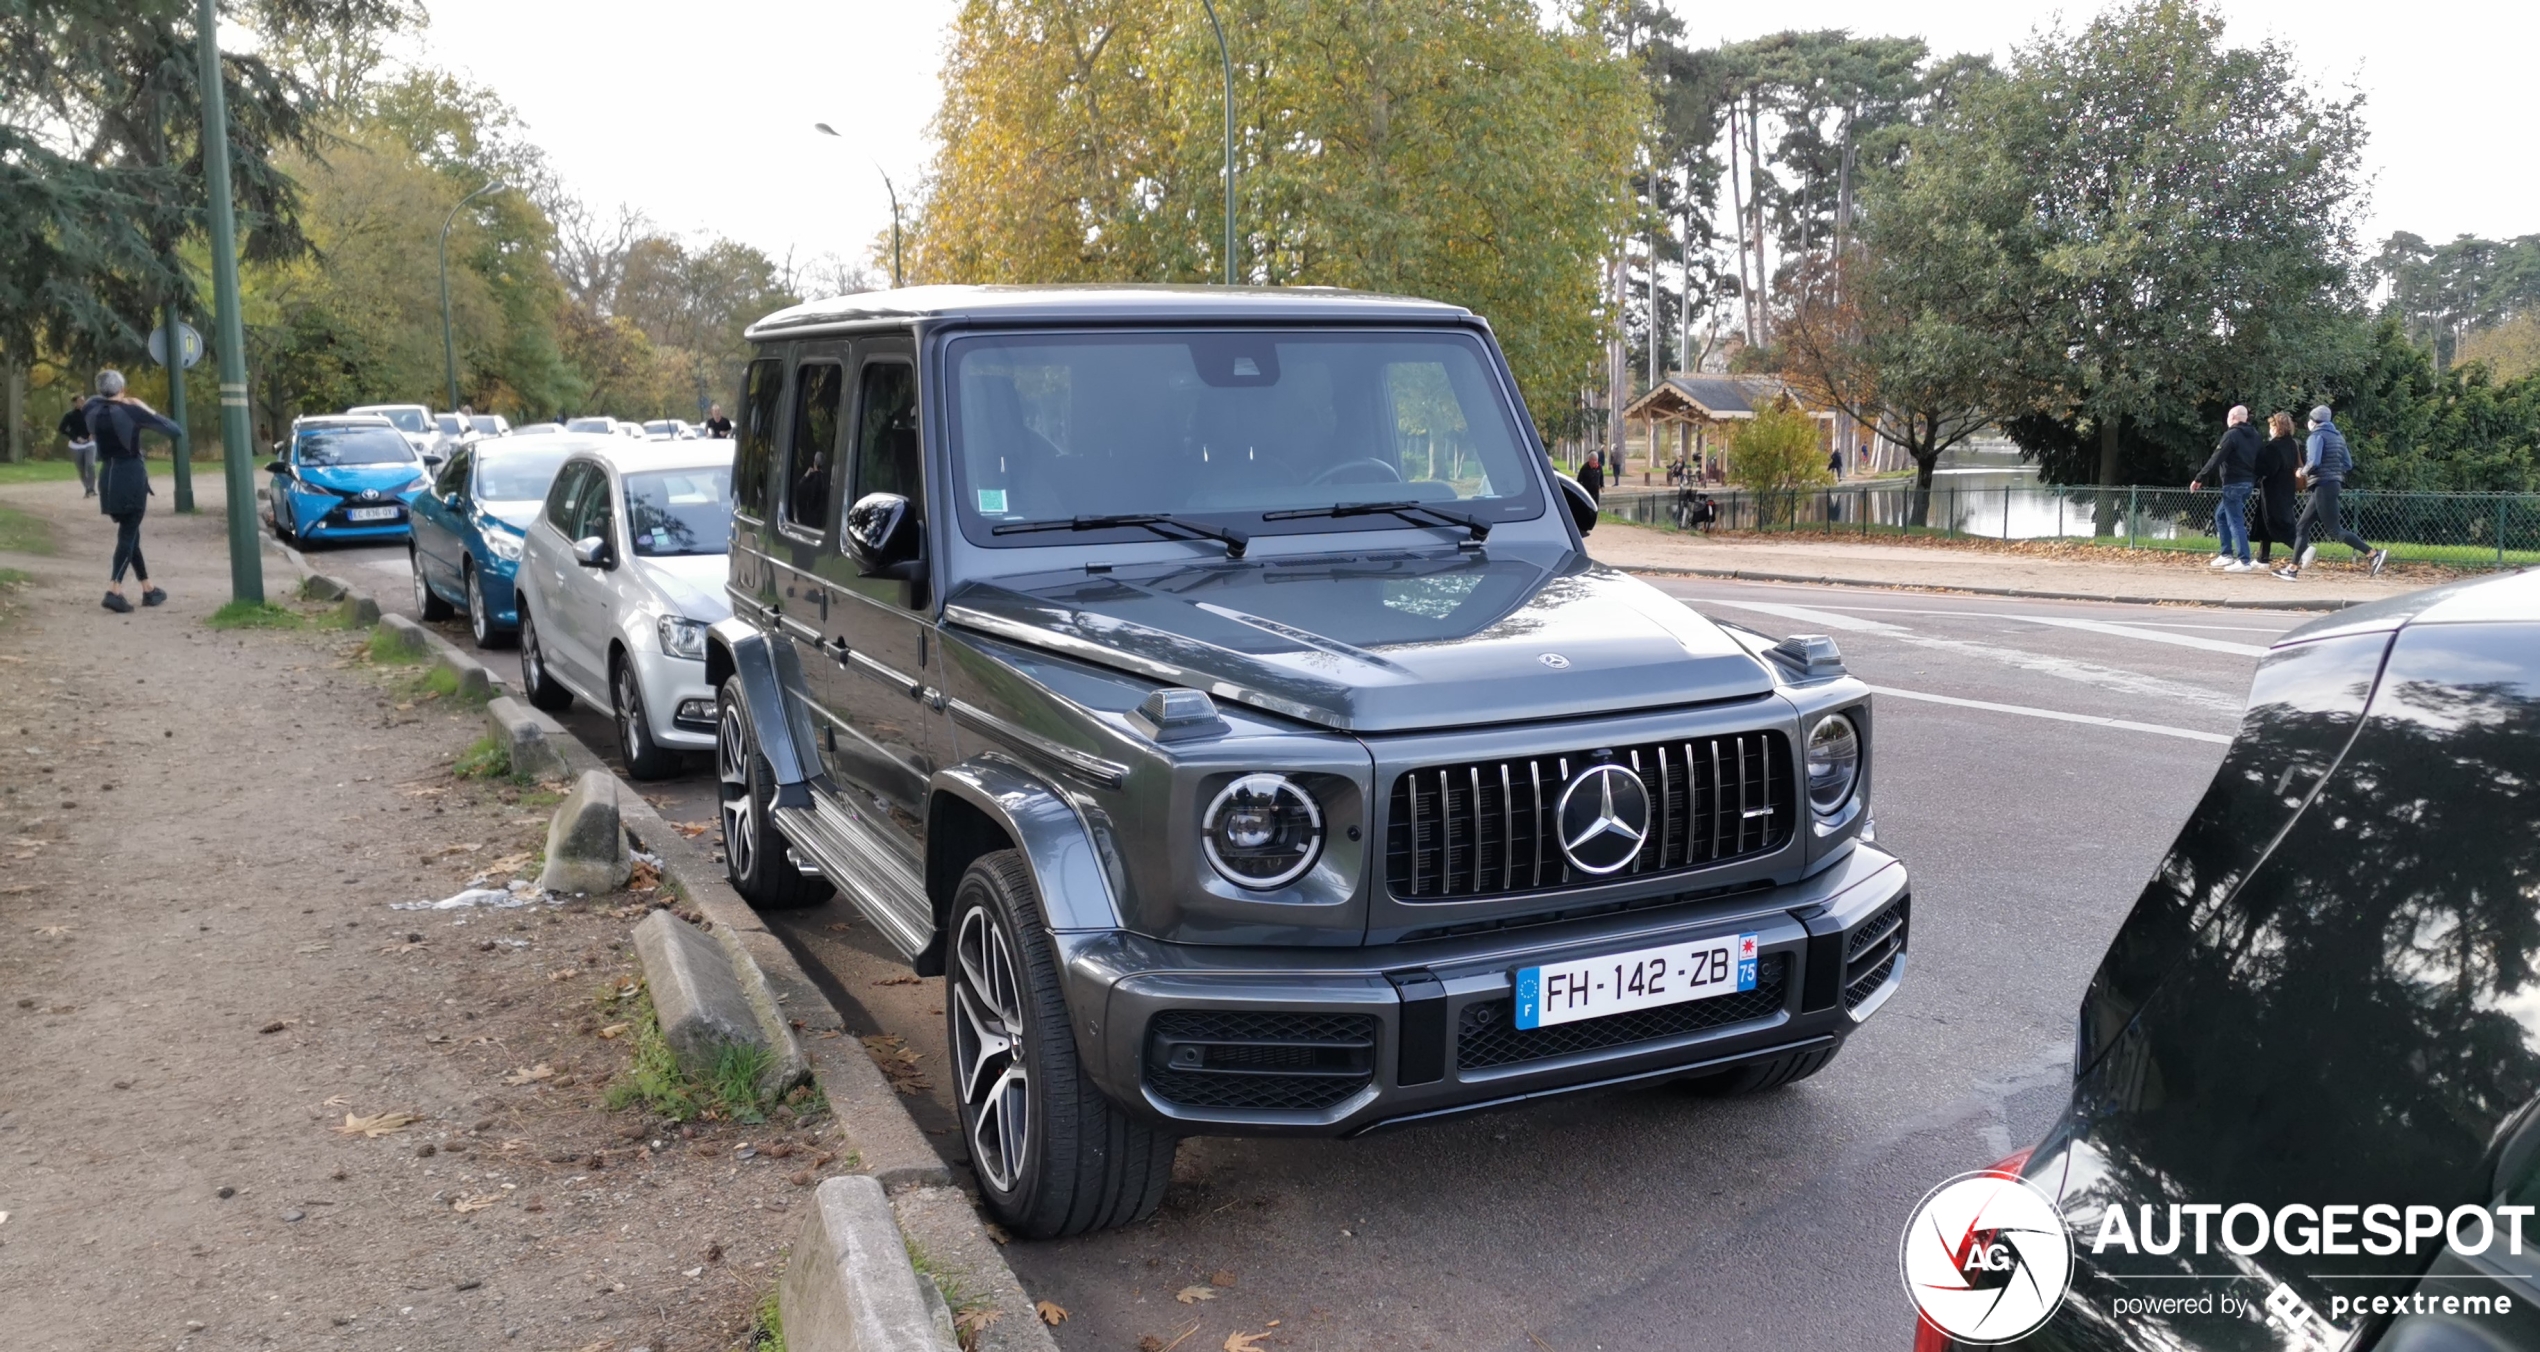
(1052, 836)
(768, 673)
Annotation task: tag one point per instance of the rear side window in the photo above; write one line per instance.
(886, 435)
(817, 390)
(762, 394)
(453, 476)
(569, 500)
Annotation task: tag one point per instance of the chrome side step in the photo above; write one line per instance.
(870, 872)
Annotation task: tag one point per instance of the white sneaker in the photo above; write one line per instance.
(2289, 573)
(2220, 561)
(2238, 567)
(2309, 552)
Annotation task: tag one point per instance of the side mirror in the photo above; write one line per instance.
(592, 551)
(1582, 506)
(277, 467)
(431, 460)
(882, 536)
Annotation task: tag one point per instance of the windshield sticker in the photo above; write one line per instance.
(992, 502)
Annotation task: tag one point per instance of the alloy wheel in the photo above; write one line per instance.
(480, 625)
(630, 709)
(533, 666)
(988, 1050)
(739, 805)
(423, 590)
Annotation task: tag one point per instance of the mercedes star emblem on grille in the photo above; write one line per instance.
(1553, 660)
(1604, 816)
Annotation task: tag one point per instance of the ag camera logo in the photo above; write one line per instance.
(1986, 1258)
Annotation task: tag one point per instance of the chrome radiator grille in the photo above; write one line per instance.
(1489, 828)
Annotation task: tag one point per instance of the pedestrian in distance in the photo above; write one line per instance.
(718, 426)
(2272, 523)
(1592, 478)
(2235, 459)
(2325, 463)
(117, 420)
(74, 429)
(1834, 463)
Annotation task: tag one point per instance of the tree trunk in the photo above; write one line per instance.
(1737, 206)
(16, 409)
(1918, 507)
(2107, 514)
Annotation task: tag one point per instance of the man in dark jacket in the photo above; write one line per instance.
(117, 420)
(1592, 478)
(2325, 463)
(2237, 458)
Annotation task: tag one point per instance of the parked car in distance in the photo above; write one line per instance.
(2325, 1008)
(536, 429)
(621, 573)
(669, 429)
(413, 421)
(491, 424)
(1213, 685)
(342, 478)
(468, 528)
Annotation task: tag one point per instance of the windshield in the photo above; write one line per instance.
(451, 424)
(403, 419)
(590, 425)
(1230, 425)
(511, 475)
(680, 511)
(324, 447)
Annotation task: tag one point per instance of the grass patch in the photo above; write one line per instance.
(970, 1309)
(488, 757)
(255, 615)
(38, 472)
(386, 651)
(24, 532)
(767, 1326)
(728, 1091)
(12, 577)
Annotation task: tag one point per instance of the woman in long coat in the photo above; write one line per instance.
(117, 421)
(2272, 522)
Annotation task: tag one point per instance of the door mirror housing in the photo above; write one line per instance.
(882, 536)
(1582, 506)
(278, 467)
(592, 551)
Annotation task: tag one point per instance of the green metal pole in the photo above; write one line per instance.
(449, 352)
(2131, 513)
(246, 561)
(184, 468)
(1228, 62)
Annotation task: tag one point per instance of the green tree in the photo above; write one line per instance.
(1777, 453)
(2145, 225)
(1456, 149)
(2443, 292)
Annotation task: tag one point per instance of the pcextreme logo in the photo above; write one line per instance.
(1986, 1258)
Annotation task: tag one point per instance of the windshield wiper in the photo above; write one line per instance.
(1407, 510)
(1161, 523)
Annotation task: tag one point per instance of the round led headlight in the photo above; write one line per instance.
(1262, 832)
(1834, 763)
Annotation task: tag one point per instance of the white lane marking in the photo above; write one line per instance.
(2057, 715)
(2087, 673)
(2211, 645)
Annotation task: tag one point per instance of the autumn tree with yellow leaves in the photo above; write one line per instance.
(1461, 150)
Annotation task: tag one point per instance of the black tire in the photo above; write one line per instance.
(538, 683)
(1756, 1077)
(281, 514)
(756, 856)
(428, 603)
(1076, 1163)
(645, 758)
(480, 616)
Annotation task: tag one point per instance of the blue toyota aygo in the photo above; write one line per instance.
(468, 527)
(343, 478)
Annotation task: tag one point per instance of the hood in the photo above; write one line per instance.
(1382, 642)
(691, 583)
(516, 515)
(354, 479)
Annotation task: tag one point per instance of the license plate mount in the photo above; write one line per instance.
(1646, 978)
(371, 513)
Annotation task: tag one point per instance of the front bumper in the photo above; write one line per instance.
(1215, 1040)
(323, 519)
(495, 578)
(669, 684)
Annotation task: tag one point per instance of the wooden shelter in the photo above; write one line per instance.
(1697, 405)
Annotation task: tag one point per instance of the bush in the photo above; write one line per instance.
(1778, 451)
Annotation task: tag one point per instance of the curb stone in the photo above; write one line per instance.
(536, 742)
(2025, 593)
(696, 993)
(849, 1285)
(404, 635)
(586, 845)
(942, 1224)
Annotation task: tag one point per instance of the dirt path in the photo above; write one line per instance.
(201, 835)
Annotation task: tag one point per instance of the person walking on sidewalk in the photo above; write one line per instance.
(117, 420)
(2236, 456)
(1592, 478)
(2272, 523)
(74, 430)
(2325, 464)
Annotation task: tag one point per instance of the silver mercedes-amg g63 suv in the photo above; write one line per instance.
(1213, 685)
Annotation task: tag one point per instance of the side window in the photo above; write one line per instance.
(563, 498)
(596, 508)
(817, 387)
(886, 455)
(453, 477)
(762, 396)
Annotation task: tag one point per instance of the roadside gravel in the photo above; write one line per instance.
(201, 978)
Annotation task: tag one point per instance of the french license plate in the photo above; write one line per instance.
(1621, 982)
(371, 513)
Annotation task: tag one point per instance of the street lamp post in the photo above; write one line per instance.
(1228, 62)
(246, 560)
(826, 130)
(449, 352)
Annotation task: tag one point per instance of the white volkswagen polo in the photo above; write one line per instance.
(620, 575)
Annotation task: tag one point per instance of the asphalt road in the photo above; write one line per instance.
(2034, 760)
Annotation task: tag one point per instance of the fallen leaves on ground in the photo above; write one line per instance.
(901, 981)
(1193, 1295)
(999, 1233)
(1051, 1312)
(402, 946)
(970, 1323)
(644, 877)
(52, 931)
(898, 1061)
(277, 1025)
(692, 830)
(1221, 1277)
(377, 1124)
(526, 1074)
(615, 1030)
(478, 1202)
(1245, 1342)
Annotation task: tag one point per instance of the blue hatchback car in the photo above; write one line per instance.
(343, 478)
(468, 526)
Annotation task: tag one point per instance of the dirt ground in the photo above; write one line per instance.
(204, 990)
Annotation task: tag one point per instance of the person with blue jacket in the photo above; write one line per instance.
(2325, 464)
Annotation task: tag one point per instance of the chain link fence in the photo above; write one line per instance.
(2461, 530)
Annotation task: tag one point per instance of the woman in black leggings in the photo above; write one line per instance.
(117, 420)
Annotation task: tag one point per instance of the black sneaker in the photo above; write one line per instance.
(114, 601)
(154, 596)
(2379, 557)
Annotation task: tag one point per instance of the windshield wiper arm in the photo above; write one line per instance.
(1407, 510)
(1161, 523)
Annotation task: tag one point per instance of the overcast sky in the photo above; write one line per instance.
(700, 114)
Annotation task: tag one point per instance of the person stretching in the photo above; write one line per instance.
(117, 420)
